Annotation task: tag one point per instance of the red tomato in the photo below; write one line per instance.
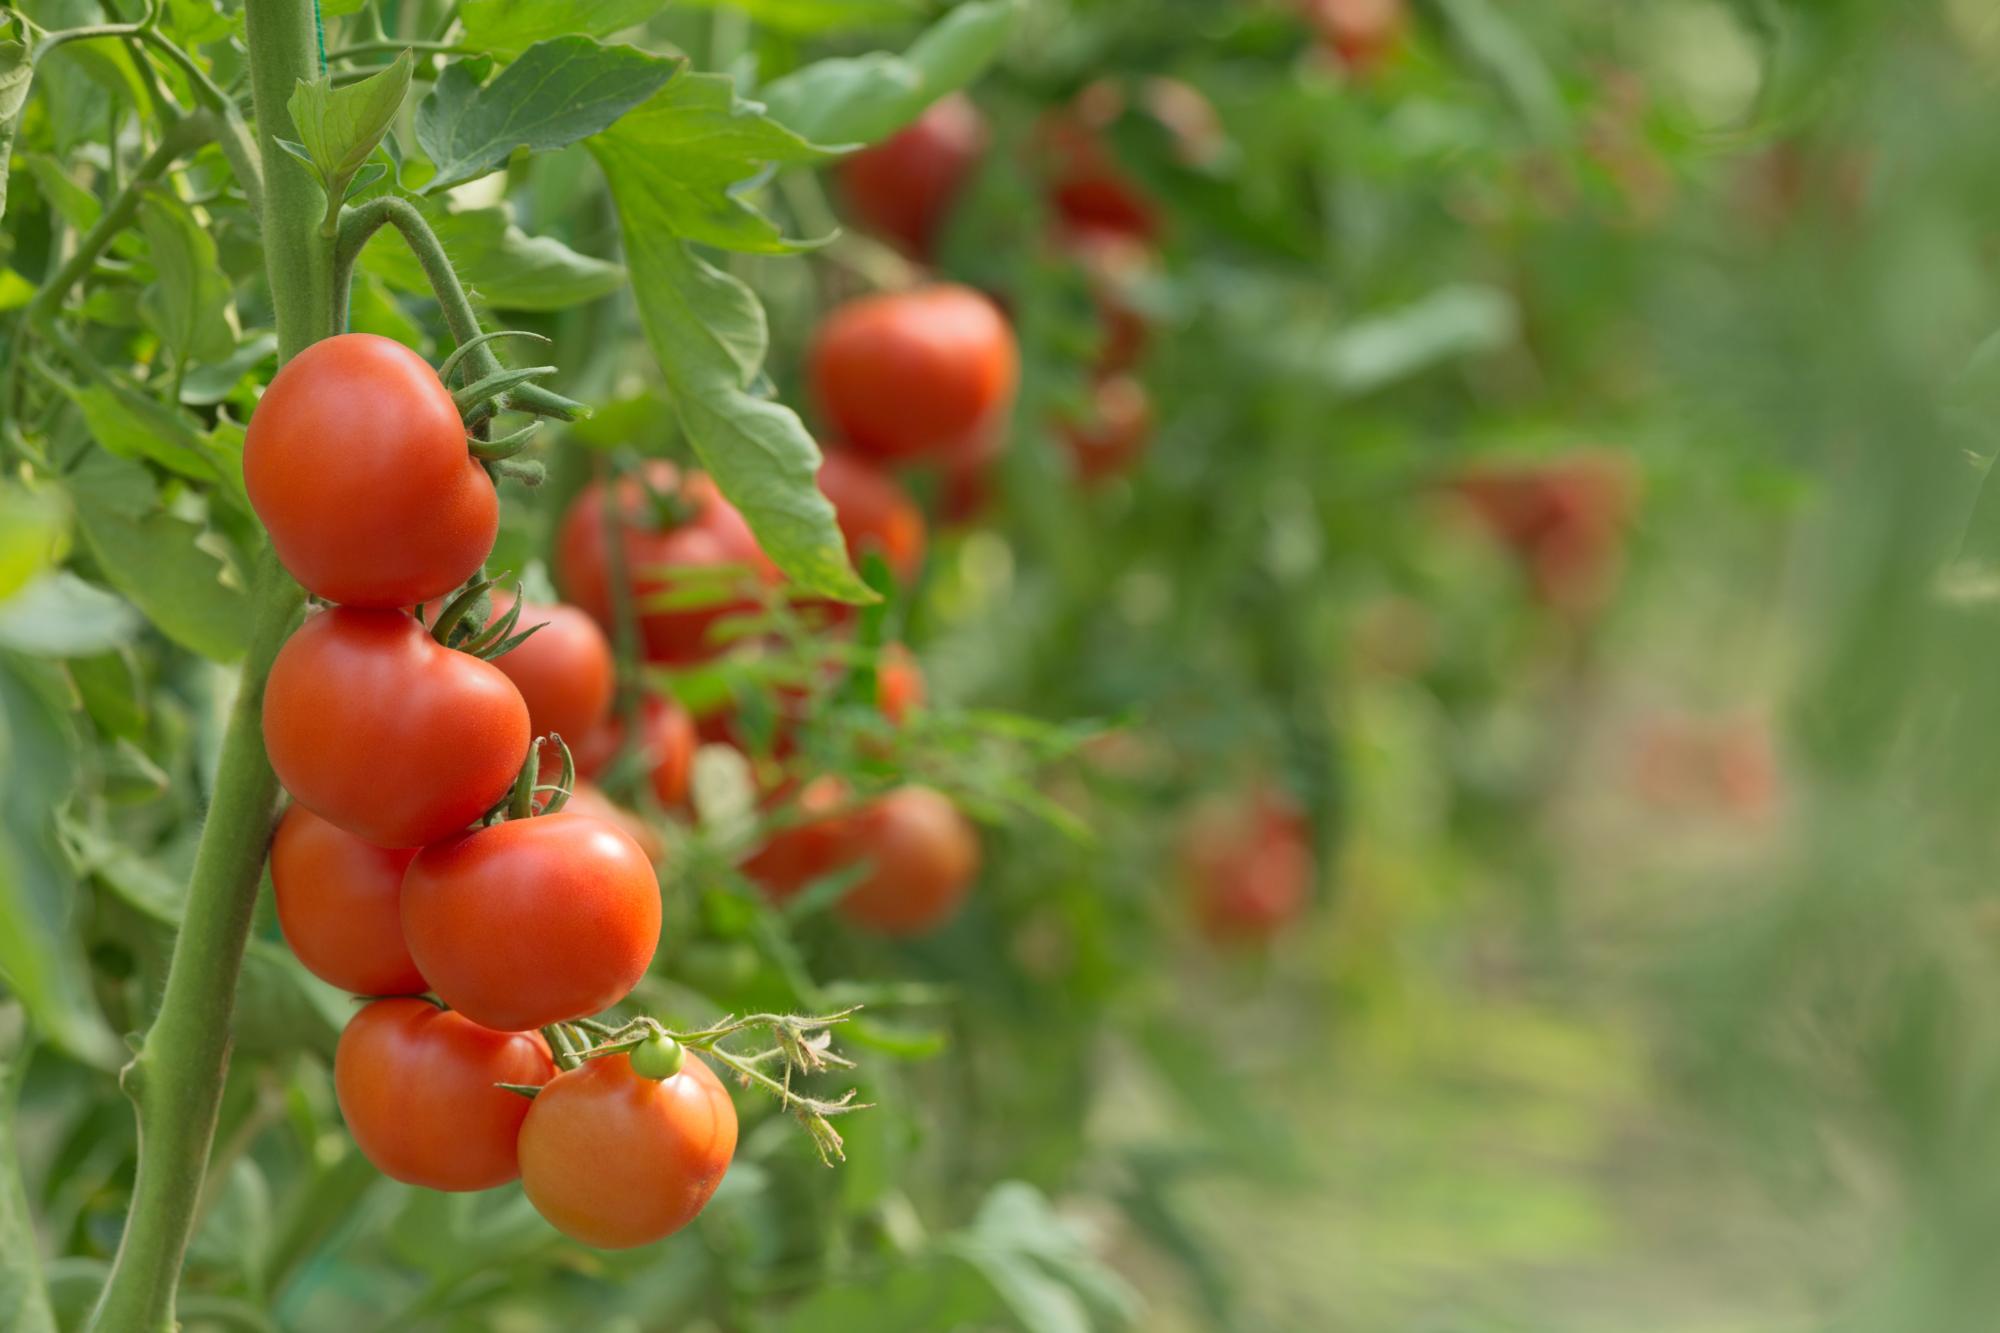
(903, 188)
(1564, 519)
(1250, 865)
(875, 513)
(565, 671)
(340, 906)
(658, 545)
(415, 1085)
(1091, 194)
(376, 727)
(916, 374)
(965, 491)
(1362, 33)
(920, 856)
(355, 460)
(667, 738)
(615, 1160)
(1108, 443)
(810, 849)
(533, 921)
(899, 683)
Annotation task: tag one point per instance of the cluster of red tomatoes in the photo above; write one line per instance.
(396, 870)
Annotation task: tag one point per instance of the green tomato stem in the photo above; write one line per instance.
(176, 1078)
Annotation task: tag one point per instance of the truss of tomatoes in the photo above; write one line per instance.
(425, 853)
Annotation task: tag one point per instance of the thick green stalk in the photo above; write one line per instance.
(176, 1078)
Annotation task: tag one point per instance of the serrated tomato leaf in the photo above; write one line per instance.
(558, 92)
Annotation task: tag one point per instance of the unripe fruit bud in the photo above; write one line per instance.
(657, 1058)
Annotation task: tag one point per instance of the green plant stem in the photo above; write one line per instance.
(362, 221)
(176, 1078)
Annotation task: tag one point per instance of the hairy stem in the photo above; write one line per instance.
(176, 1078)
(362, 221)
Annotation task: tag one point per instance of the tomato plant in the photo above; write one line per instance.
(883, 653)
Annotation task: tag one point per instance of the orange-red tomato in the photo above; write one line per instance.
(809, 849)
(667, 741)
(340, 906)
(564, 670)
(920, 856)
(1250, 866)
(355, 460)
(616, 1160)
(918, 374)
(874, 512)
(904, 187)
(375, 726)
(415, 1085)
(1109, 441)
(899, 683)
(1564, 519)
(1091, 193)
(533, 921)
(707, 532)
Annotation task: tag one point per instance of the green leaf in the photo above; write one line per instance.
(281, 1007)
(60, 615)
(1490, 39)
(863, 99)
(16, 74)
(190, 292)
(131, 425)
(372, 308)
(214, 381)
(1449, 323)
(505, 267)
(41, 957)
(31, 530)
(76, 205)
(508, 27)
(676, 163)
(162, 562)
(339, 127)
(24, 1298)
(198, 22)
(558, 92)
(916, 1296)
(815, 16)
(707, 332)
